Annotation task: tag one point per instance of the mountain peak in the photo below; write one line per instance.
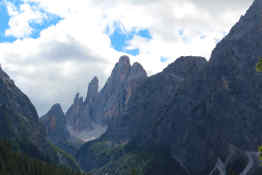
(94, 84)
(125, 60)
(121, 70)
(137, 71)
(137, 66)
(185, 65)
(250, 22)
(56, 108)
(257, 4)
(78, 99)
(95, 79)
(242, 45)
(92, 90)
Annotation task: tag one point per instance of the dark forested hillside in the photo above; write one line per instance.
(17, 163)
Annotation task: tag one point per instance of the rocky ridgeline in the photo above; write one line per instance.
(205, 116)
(88, 118)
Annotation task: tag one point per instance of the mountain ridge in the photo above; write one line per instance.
(209, 119)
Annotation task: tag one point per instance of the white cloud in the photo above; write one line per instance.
(66, 56)
(20, 19)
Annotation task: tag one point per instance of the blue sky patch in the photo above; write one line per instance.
(144, 33)
(16, 3)
(50, 21)
(163, 59)
(120, 37)
(37, 28)
(181, 32)
(4, 18)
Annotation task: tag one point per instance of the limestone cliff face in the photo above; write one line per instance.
(80, 115)
(118, 89)
(76, 117)
(98, 108)
(55, 124)
(92, 91)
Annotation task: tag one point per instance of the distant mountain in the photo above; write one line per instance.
(80, 115)
(57, 133)
(55, 123)
(88, 119)
(203, 116)
(118, 89)
(19, 124)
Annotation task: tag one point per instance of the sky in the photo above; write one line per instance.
(53, 48)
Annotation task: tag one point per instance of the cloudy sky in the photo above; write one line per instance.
(53, 48)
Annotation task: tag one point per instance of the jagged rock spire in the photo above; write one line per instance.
(92, 90)
(78, 99)
(137, 71)
(121, 70)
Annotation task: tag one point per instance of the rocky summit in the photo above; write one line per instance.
(115, 95)
(88, 119)
(55, 123)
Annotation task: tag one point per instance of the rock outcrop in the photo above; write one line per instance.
(89, 119)
(77, 115)
(92, 91)
(55, 124)
(57, 132)
(118, 89)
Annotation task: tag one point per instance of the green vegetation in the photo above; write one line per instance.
(69, 157)
(134, 171)
(128, 164)
(17, 163)
(107, 148)
(259, 65)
